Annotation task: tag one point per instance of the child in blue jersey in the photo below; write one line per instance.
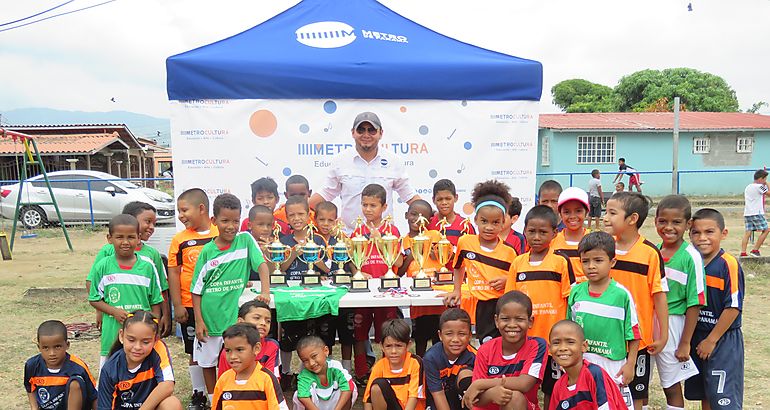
(55, 379)
(448, 364)
(717, 343)
(138, 373)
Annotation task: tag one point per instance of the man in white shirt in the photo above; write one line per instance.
(360, 165)
(754, 212)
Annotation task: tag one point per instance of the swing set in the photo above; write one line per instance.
(30, 156)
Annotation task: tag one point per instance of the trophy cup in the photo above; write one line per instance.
(359, 250)
(339, 253)
(389, 247)
(277, 253)
(421, 247)
(444, 251)
(310, 253)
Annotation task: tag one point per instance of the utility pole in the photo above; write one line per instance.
(675, 150)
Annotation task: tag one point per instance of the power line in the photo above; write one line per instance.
(37, 14)
(57, 15)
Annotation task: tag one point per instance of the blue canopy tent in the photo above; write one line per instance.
(348, 50)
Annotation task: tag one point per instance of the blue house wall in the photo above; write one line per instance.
(652, 151)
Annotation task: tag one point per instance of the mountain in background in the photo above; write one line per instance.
(140, 125)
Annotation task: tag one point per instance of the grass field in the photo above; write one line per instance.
(46, 262)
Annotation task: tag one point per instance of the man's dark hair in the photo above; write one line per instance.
(542, 212)
(122, 220)
(453, 314)
(444, 185)
(633, 203)
(396, 329)
(549, 185)
(296, 180)
(251, 305)
(759, 174)
(257, 210)
(297, 200)
(309, 341)
(679, 202)
(226, 201)
(375, 191)
(571, 324)
(514, 209)
(245, 330)
(594, 173)
(264, 184)
(326, 206)
(135, 208)
(597, 240)
(710, 214)
(195, 197)
(52, 328)
(514, 296)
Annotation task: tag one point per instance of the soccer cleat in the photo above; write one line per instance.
(198, 401)
(755, 253)
(744, 254)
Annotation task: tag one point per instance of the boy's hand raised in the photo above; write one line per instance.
(264, 297)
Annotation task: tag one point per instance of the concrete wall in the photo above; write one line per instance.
(651, 151)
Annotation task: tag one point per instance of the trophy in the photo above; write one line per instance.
(444, 251)
(421, 246)
(389, 247)
(359, 250)
(310, 253)
(277, 253)
(339, 253)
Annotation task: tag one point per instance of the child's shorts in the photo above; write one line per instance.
(425, 328)
(207, 353)
(188, 331)
(553, 372)
(596, 207)
(345, 325)
(324, 327)
(640, 385)
(721, 376)
(366, 317)
(755, 223)
(292, 331)
(670, 369)
(486, 329)
(612, 367)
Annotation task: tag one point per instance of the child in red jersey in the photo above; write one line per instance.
(445, 197)
(264, 191)
(257, 313)
(510, 237)
(509, 369)
(584, 386)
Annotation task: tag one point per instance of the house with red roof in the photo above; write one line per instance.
(718, 151)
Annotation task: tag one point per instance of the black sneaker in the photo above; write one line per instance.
(199, 401)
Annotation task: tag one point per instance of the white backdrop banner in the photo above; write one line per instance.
(224, 145)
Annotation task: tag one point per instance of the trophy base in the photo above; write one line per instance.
(422, 285)
(342, 279)
(278, 280)
(311, 280)
(389, 283)
(359, 286)
(444, 278)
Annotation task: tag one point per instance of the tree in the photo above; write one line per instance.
(578, 95)
(699, 91)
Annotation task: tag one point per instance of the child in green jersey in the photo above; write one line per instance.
(220, 275)
(122, 282)
(606, 311)
(323, 384)
(686, 294)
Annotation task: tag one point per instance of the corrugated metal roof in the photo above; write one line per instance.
(654, 121)
(64, 144)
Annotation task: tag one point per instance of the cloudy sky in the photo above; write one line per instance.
(82, 60)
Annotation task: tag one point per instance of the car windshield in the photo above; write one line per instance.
(125, 184)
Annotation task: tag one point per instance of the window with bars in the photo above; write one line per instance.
(596, 149)
(744, 145)
(701, 145)
(545, 151)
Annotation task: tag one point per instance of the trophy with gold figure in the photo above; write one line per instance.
(358, 252)
(277, 253)
(444, 252)
(310, 253)
(421, 246)
(389, 246)
(339, 253)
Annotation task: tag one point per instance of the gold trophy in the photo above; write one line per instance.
(277, 253)
(389, 246)
(421, 246)
(359, 250)
(310, 253)
(444, 251)
(339, 253)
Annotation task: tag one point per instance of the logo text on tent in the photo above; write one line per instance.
(375, 35)
(326, 34)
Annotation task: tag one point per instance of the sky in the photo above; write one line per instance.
(118, 50)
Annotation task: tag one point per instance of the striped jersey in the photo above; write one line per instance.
(406, 382)
(686, 280)
(482, 265)
(261, 391)
(640, 270)
(183, 252)
(455, 230)
(220, 277)
(725, 285)
(517, 241)
(608, 319)
(142, 251)
(125, 287)
(124, 388)
(338, 380)
(50, 385)
(547, 283)
(440, 372)
(562, 246)
(594, 390)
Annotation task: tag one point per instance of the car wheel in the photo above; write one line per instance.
(32, 217)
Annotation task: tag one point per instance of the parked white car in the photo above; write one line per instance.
(108, 197)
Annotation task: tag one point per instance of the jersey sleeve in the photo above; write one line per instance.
(606, 392)
(459, 254)
(567, 275)
(481, 364)
(375, 374)
(255, 254)
(96, 292)
(432, 377)
(332, 185)
(174, 254)
(155, 295)
(162, 276)
(162, 363)
(99, 256)
(217, 396)
(29, 371)
(570, 302)
(106, 387)
(734, 285)
(655, 275)
(275, 399)
(696, 281)
(534, 363)
(304, 381)
(510, 282)
(416, 388)
(631, 321)
(342, 381)
(223, 365)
